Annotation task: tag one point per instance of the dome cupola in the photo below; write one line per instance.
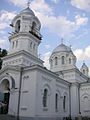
(62, 48)
(27, 11)
(84, 69)
(62, 58)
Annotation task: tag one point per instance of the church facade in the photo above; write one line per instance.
(30, 90)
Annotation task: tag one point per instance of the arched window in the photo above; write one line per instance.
(33, 25)
(17, 26)
(56, 101)
(31, 45)
(51, 62)
(34, 46)
(69, 60)
(56, 60)
(64, 103)
(86, 103)
(45, 98)
(63, 60)
(83, 71)
(13, 44)
(16, 43)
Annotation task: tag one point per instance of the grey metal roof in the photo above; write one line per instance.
(27, 11)
(62, 48)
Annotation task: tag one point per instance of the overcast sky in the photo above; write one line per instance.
(67, 19)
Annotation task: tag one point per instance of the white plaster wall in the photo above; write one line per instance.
(46, 80)
(85, 104)
(28, 98)
(74, 100)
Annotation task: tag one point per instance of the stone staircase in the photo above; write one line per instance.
(7, 117)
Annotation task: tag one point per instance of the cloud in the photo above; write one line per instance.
(82, 54)
(3, 41)
(85, 32)
(5, 19)
(19, 3)
(46, 59)
(47, 46)
(81, 4)
(55, 1)
(61, 25)
(42, 7)
(87, 52)
(3, 25)
(2, 32)
(5, 15)
(81, 20)
(37, 5)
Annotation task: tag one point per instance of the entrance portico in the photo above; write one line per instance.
(6, 83)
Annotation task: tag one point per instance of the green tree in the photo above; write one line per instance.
(3, 53)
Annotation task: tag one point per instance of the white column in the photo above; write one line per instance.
(74, 99)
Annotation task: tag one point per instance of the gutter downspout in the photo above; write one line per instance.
(19, 97)
(70, 99)
(79, 96)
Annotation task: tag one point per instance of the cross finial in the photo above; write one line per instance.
(83, 61)
(28, 3)
(61, 40)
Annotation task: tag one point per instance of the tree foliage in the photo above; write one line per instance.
(3, 53)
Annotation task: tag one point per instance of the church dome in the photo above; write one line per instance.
(62, 48)
(27, 11)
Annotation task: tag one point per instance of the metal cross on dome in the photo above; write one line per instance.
(28, 3)
(83, 61)
(62, 40)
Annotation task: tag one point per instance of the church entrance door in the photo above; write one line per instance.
(4, 95)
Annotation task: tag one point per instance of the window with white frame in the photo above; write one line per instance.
(56, 60)
(16, 43)
(63, 60)
(13, 44)
(69, 60)
(31, 45)
(56, 101)
(45, 98)
(64, 103)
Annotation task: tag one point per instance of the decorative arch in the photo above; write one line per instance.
(65, 101)
(85, 95)
(6, 83)
(56, 60)
(17, 26)
(46, 91)
(33, 25)
(69, 60)
(10, 79)
(85, 99)
(83, 71)
(51, 63)
(46, 86)
(31, 45)
(63, 60)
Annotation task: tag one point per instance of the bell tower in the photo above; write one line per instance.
(84, 69)
(24, 40)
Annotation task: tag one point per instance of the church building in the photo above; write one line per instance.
(29, 89)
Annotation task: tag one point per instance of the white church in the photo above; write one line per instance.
(29, 89)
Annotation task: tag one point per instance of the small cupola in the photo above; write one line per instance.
(84, 69)
(62, 58)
